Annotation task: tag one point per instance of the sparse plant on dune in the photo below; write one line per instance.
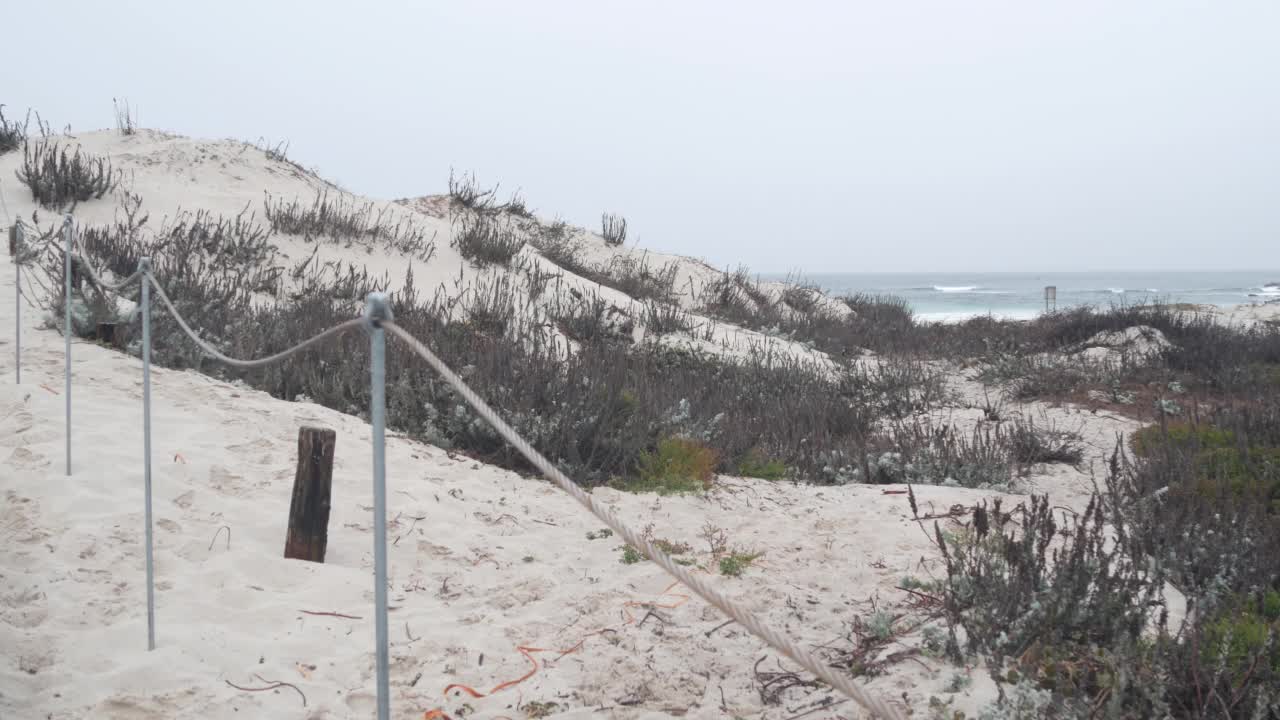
(592, 319)
(12, 134)
(736, 297)
(661, 318)
(342, 218)
(613, 228)
(802, 297)
(126, 119)
(465, 193)
(518, 207)
(278, 152)
(560, 244)
(58, 179)
(486, 241)
(1034, 445)
(635, 276)
(490, 307)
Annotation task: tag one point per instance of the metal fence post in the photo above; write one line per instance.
(68, 230)
(144, 267)
(17, 308)
(377, 310)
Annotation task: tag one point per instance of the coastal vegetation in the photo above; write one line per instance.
(1070, 610)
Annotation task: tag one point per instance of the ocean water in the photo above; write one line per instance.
(944, 297)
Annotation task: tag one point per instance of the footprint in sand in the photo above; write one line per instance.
(362, 702)
(261, 451)
(16, 428)
(223, 479)
(16, 517)
(24, 608)
(27, 459)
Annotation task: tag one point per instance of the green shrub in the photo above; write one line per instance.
(758, 465)
(1245, 633)
(1182, 436)
(631, 556)
(1254, 475)
(671, 547)
(736, 563)
(1266, 374)
(678, 465)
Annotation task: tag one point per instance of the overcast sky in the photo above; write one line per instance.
(832, 136)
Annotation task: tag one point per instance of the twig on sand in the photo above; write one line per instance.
(652, 613)
(955, 511)
(270, 685)
(215, 537)
(713, 630)
(826, 703)
(772, 685)
(331, 614)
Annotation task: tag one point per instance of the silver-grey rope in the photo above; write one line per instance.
(743, 616)
(97, 279)
(213, 352)
(108, 286)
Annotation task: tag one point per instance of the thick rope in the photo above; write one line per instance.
(213, 352)
(743, 616)
(97, 279)
(84, 263)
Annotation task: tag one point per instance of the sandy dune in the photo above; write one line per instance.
(483, 562)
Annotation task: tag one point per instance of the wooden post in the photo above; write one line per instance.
(13, 239)
(309, 511)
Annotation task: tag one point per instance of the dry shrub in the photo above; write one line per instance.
(342, 218)
(58, 179)
(12, 134)
(486, 241)
(613, 228)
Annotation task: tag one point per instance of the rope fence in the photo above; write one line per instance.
(377, 320)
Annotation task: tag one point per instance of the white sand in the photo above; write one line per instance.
(482, 561)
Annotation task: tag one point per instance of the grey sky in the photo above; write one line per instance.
(833, 136)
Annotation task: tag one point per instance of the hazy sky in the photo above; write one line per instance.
(832, 136)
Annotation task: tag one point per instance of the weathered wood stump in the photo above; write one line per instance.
(113, 334)
(308, 532)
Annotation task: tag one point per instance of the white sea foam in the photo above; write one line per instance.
(962, 315)
(955, 288)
